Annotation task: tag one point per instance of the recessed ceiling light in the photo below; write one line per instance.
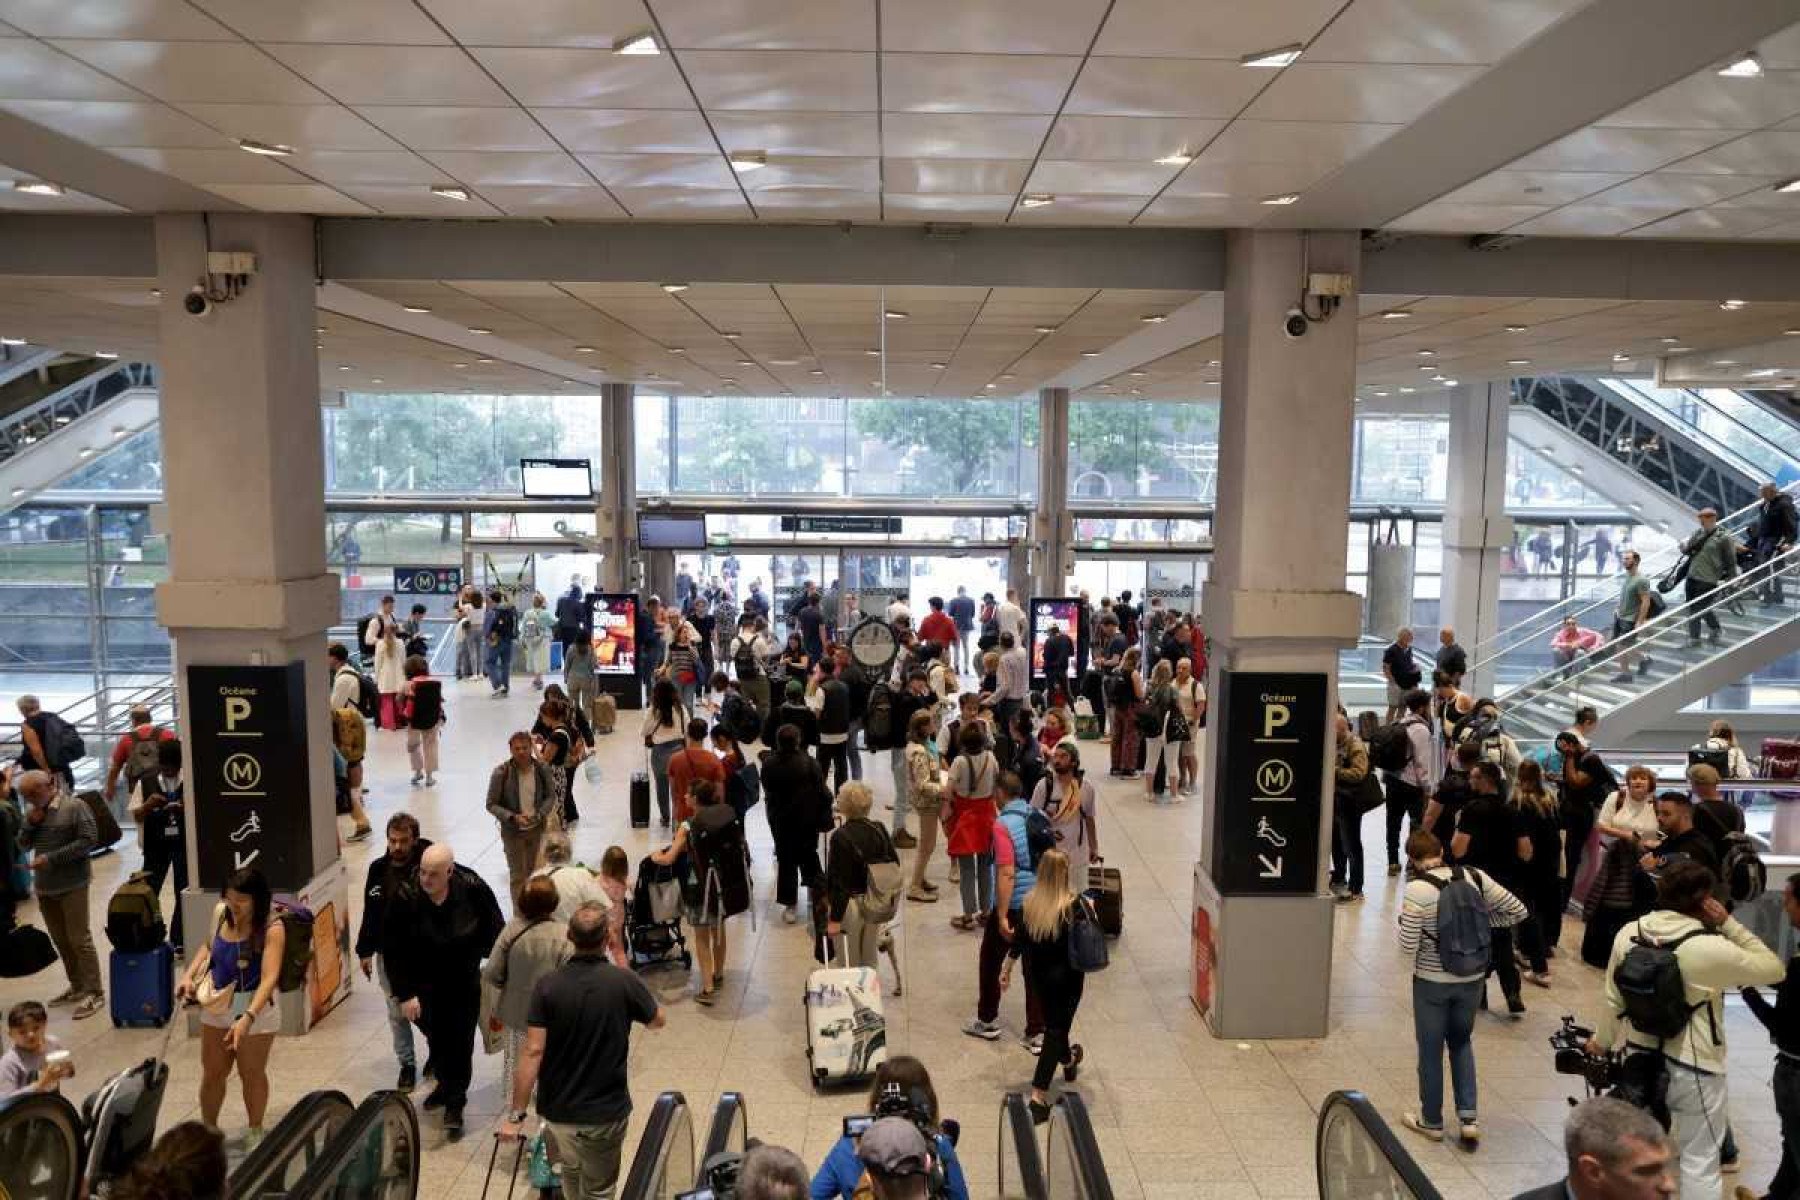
(1281, 56)
(1045, 328)
(489, 360)
(1213, 363)
(415, 308)
(749, 160)
(1448, 382)
(730, 335)
(1621, 357)
(784, 362)
(479, 329)
(1745, 66)
(266, 149)
(18, 491)
(1426, 353)
(1007, 376)
(1137, 374)
(746, 362)
(1396, 314)
(988, 387)
(1788, 188)
(1406, 391)
(37, 187)
(816, 371)
(119, 431)
(378, 379)
(344, 366)
(1380, 392)
(86, 452)
(939, 366)
(1790, 333)
(1518, 362)
(1137, 391)
(894, 314)
(1678, 349)
(1282, 198)
(1668, 341)
(1090, 354)
(106, 354)
(872, 352)
(674, 289)
(584, 349)
(1036, 200)
(642, 42)
(1516, 328)
(726, 379)
(1725, 362)
(1153, 318)
(157, 292)
(670, 349)
(447, 192)
(1731, 305)
(1180, 158)
(12, 341)
(1427, 367)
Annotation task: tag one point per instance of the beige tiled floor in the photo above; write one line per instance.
(1179, 1113)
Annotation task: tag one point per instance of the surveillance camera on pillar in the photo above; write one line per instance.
(228, 273)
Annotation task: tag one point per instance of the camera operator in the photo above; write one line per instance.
(1782, 1020)
(898, 1159)
(771, 1173)
(1712, 951)
(1616, 1152)
(902, 1088)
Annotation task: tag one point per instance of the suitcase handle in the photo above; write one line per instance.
(512, 1180)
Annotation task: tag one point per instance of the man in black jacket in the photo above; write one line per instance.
(1782, 1020)
(834, 723)
(1777, 529)
(438, 928)
(386, 875)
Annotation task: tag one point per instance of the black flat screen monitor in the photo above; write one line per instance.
(666, 532)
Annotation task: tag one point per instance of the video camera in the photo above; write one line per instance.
(1638, 1077)
(721, 1173)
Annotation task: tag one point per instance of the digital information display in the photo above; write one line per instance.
(556, 478)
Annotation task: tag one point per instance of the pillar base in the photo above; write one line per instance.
(1260, 966)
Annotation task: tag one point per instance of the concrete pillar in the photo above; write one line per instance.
(1476, 527)
(244, 489)
(1276, 602)
(615, 514)
(1052, 530)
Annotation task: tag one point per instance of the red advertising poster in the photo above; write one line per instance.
(615, 633)
(1206, 961)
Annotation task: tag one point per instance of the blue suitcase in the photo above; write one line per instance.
(142, 988)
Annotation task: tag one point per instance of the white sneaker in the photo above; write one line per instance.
(416, 778)
(789, 915)
(430, 780)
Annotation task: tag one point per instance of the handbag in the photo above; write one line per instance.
(1148, 723)
(1178, 729)
(543, 1172)
(1087, 941)
(1369, 795)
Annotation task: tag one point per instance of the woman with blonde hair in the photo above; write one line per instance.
(925, 794)
(1721, 736)
(1160, 704)
(1042, 939)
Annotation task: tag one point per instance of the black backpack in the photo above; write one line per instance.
(1119, 692)
(1040, 835)
(721, 859)
(1742, 875)
(427, 704)
(1650, 985)
(878, 724)
(741, 718)
(368, 697)
(1391, 749)
(743, 657)
(62, 745)
(506, 624)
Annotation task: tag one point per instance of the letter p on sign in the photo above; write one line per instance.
(237, 708)
(1275, 717)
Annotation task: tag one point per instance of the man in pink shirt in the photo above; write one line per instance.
(1571, 642)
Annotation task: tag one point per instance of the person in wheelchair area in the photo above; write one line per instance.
(901, 1077)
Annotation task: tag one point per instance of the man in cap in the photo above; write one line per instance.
(898, 1159)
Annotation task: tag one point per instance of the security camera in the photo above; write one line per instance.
(197, 303)
(1295, 323)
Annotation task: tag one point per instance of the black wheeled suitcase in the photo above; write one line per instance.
(1107, 889)
(640, 800)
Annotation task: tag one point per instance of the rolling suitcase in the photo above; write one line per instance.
(141, 987)
(1107, 890)
(846, 1031)
(640, 800)
(121, 1115)
(603, 714)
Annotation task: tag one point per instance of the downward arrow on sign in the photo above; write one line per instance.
(1271, 870)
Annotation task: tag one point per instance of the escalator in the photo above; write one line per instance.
(1073, 1168)
(40, 1147)
(1735, 428)
(298, 1141)
(63, 430)
(1021, 1162)
(1358, 1158)
(663, 1166)
(374, 1155)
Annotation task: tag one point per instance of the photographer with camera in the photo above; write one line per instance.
(902, 1090)
(1664, 993)
(1616, 1152)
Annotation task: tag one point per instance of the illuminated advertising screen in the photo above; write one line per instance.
(1044, 614)
(615, 633)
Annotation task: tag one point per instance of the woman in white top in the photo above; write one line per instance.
(1190, 697)
(537, 629)
(665, 732)
(1721, 736)
(1631, 811)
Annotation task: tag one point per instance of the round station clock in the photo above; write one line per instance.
(873, 645)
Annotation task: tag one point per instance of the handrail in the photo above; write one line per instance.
(650, 1164)
(728, 1133)
(346, 1170)
(1019, 1135)
(265, 1168)
(1070, 1115)
(1637, 392)
(1339, 1174)
(19, 1176)
(1604, 592)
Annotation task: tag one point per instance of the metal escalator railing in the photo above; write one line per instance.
(1541, 706)
(298, 1141)
(45, 417)
(729, 1133)
(100, 717)
(1643, 438)
(1729, 426)
(374, 1156)
(1074, 1168)
(1021, 1164)
(40, 1147)
(663, 1166)
(1498, 657)
(1358, 1157)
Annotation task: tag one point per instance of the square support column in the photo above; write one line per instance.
(1276, 602)
(1476, 527)
(616, 514)
(1051, 528)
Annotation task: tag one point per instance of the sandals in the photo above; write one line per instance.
(962, 922)
(705, 996)
(920, 896)
(1040, 1112)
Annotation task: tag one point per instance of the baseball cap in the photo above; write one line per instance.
(894, 1146)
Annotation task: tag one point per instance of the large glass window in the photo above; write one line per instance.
(466, 445)
(1533, 481)
(1401, 459)
(1143, 449)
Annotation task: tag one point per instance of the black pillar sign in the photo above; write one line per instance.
(249, 799)
(1269, 790)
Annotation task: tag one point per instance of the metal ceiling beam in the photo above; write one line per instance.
(1594, 62)
(33, 150)
(1585, 268)
(77, 245)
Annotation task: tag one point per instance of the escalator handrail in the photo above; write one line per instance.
(1732, 457)
(730, 1114)
(347, 1143)
(1358, 1106)
(52, 1108)
(1095, 1184)
(289, 1135)
(1015, 1120)
(652, 1149)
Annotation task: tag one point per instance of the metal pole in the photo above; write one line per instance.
(97, 623)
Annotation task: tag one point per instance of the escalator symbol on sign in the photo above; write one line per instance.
(1275, 778)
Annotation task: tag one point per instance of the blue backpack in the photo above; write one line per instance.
(1465, 930)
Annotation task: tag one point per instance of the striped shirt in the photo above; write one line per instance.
(1419, 921)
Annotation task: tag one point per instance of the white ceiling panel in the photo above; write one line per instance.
(660, 170)
(566, 23)
(1710, 223)
(800, 134)
(1711, 101)
(1435, 31)
(956, 176)
(946, 207)
(993, 27)
(1060, 177)
(685, 203)
(1325, 145)
(1627, 150)
(1128, 139)
(1084, 210)
(1370, 92)
(1764, 196)
(571, 78)
(1591, 220)
(841, 174)
(975, 83)
(420, 202)
(198, 72)
(207, 167)
(1223, 29)
(392, 74)
(458, 127)
(502, 169)
(768, 25)
(1203, 212)
(369, 168)
(589, 202)
(118, 123)
(33, 71)
(962, 135)
(373, 22)
(1243, 180)
(782, 80)
(623, 130)
(297, 198)
(1770, 152)
(1533, 187)
(1446, 217)
(818, 203)
(1667, 189)
(1147, 87)
(307, 126)
(161, 20)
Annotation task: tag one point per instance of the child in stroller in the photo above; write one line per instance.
(653, 925)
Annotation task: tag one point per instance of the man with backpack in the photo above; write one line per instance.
(1402, 752)
(750, 649)
(1447, 917)
(134, 754)
(158, 805)
(1021, 836)
(502, 631)
(48, 743)
(1665, 994)
(833, 749)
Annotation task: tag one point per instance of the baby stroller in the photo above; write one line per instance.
(653, 925)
